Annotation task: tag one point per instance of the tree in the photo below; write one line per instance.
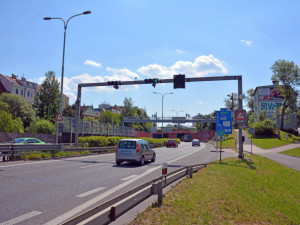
(48, 97)
(19, 107)
(250, 100)
(42, 126)
(8, 124)
(110, 117)
(287, 73)
(128, 109)
(228, 102)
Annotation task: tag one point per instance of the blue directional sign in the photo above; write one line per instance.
(223, 122)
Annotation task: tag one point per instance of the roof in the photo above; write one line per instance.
(266, 86)
(2, 88)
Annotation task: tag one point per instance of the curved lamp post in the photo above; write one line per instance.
(63, 59)
(162, 110)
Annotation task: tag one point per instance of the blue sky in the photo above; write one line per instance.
(128, 39)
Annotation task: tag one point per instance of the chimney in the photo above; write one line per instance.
(14, 76)
(275, 82)
(23, 78)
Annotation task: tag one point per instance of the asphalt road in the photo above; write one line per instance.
(53, 191)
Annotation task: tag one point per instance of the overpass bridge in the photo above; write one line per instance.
(168, 120)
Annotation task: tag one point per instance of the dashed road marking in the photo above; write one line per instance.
(21, 218)
(90, 192)
(128, 178)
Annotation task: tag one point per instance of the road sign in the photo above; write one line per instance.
(223, 122)
(240, 116)
(251, 130)
(59, 118)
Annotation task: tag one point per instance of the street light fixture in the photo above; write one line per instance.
(162, 110)
(63, 59)
(177, 116)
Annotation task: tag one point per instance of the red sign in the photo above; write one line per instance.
(59, 118)
(240, 116)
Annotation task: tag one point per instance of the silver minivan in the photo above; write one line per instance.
(134, 150)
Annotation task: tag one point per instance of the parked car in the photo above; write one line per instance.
(171, 143)
(134, 150)
(27, 141)
(195, 142)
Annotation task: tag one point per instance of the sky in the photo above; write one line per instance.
(141, 39)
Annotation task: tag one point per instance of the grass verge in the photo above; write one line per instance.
(272, 142)
(292, 152)
(51, 154)
(252, 191)
(229, 141)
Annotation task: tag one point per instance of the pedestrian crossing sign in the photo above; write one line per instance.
(240, 116)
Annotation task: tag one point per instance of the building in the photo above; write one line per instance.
(269, 99)
(22, 87)
(88, 111)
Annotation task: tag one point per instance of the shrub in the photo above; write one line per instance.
(265, 127)
(42, 126)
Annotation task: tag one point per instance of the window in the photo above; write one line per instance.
(17, 91)
(21, 92)
(28, 93)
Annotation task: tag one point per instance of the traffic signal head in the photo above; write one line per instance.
(114, 83)
(179, 81)
(153, 81)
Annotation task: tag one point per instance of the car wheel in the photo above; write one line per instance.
(153, 158)
(118, 163)
(142, 162)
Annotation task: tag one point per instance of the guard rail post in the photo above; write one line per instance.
(190, 171)
(159, 192)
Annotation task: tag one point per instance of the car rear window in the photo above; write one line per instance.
(127, 144)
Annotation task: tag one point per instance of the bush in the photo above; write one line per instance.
(265, 127)
(291, 131)
(42, 126)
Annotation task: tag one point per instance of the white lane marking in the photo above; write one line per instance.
(201, 147)
(128, 178)
(62, 218)
(21, 218)
(49, 161)
(90, 192)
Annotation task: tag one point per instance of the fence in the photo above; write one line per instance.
(111, 210)
(87, 127)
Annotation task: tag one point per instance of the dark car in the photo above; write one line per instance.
(27, 141)
(171, 143)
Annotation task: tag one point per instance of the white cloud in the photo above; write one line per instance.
(179, 51)
(202, 65)
(248, 43)
(92, 63)
(199, 102)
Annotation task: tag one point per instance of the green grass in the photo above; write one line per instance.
(229, 141)
(292, 152)
(273, 141)
(51, 154)
(251, 191)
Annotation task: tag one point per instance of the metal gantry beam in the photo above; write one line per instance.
(160, 81)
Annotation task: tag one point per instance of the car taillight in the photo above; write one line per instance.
(137, 148)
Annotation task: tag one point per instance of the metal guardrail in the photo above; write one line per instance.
(111, 210)
(12, 150)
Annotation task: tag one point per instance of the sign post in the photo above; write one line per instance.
(251, 131)
(223, 125)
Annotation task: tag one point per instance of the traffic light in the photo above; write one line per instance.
(179, 81)
(154, 81)
(115, 83)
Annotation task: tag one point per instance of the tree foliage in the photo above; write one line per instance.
(48, 97)
(228, 102)
(9, 124)
(110, 117)
(42, 126)
(250, 99)
(19, 107)
(287, 73)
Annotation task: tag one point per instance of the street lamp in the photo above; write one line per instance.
(63, 59)
(162, 109)
(177, 116)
